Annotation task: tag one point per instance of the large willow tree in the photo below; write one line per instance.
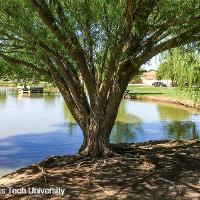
(92, 48)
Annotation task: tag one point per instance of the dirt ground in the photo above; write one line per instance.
(147, 171)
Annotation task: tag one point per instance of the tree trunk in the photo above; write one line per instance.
(101, 120)
(96, 144)
(100, 123)
(96, 137)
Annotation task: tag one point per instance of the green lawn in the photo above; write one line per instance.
(170, 92)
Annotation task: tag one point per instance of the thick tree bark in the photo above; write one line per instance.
(96, 137)
(96, 144)
(97, 132)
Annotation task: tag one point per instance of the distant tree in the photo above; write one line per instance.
(182, 66)
(168, 68)
(91, 49)
(189, 74)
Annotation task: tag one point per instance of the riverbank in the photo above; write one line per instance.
(150, 170)
(186, 103)
(162, 94)
(147, 93)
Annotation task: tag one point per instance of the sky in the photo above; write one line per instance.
(152, 64)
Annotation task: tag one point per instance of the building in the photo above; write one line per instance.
(148, 77)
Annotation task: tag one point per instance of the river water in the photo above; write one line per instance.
(38, 126)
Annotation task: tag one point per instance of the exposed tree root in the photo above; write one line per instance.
(151, 170)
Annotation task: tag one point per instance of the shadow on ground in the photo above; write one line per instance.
(152, 170)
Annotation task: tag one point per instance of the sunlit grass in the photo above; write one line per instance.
(170, 92)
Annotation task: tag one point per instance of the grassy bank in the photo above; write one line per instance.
(165, 94)
(170, 92)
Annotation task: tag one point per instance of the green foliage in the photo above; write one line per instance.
(94, 23)
(19, 73)
(182, 66)
(169, 69)
(84, 18)
(104, 39)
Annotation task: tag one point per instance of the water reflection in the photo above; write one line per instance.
(181, 130)
(17, 151)
(125, 126)
(2, 96)
(172, 112)
(69, 118)
(122, 133)
(35, 127)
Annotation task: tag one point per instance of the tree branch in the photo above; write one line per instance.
(74, 49)
(78, 95)
(171, 23)
(123, 33)
(15, 61)
(65, 91)
(72, 79)
(184, 38)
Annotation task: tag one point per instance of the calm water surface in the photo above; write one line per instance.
(33, 128)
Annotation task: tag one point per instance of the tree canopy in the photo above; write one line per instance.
(92, 48)
(182, 66)
(19, 73)
(32, 29)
